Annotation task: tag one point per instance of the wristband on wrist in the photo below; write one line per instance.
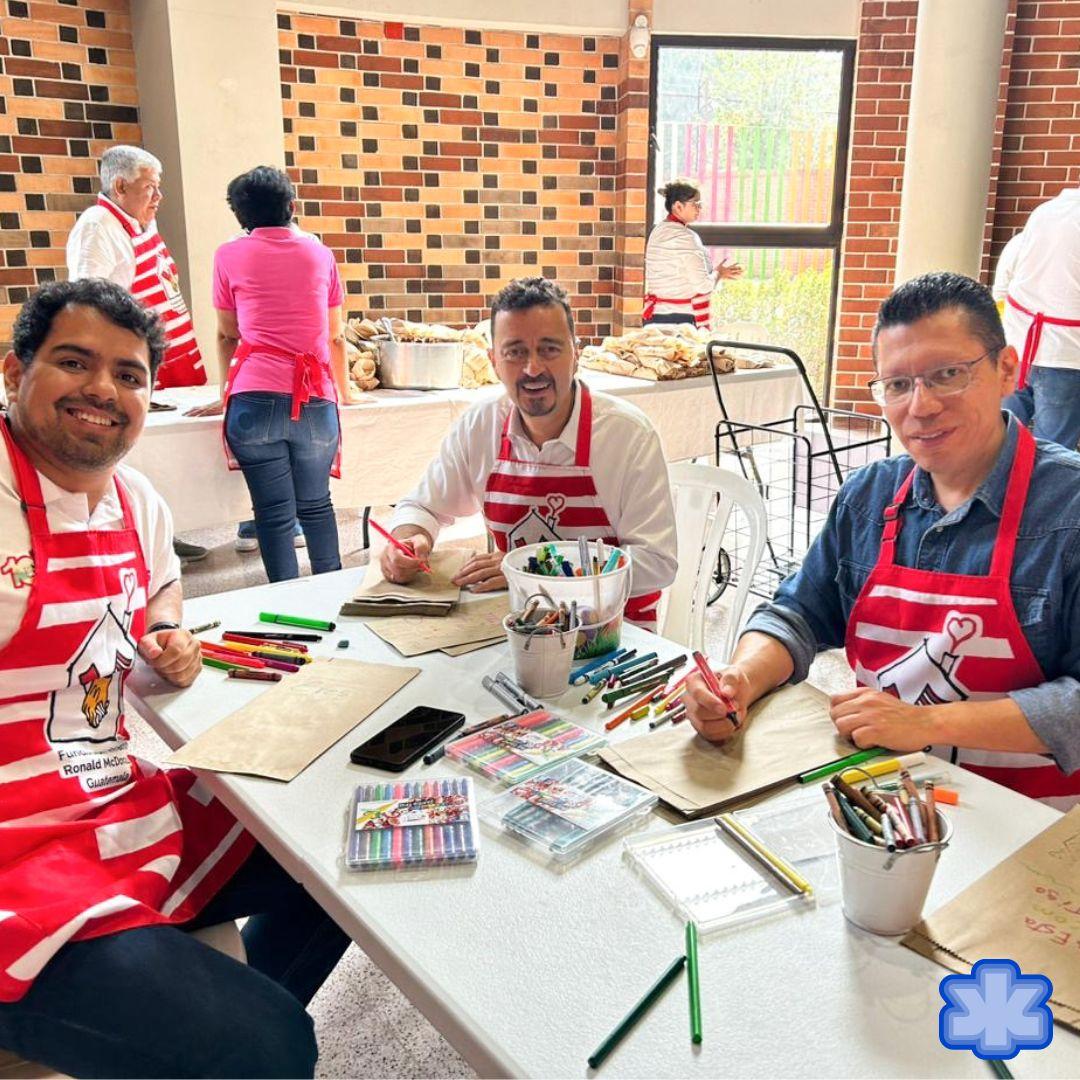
(162, 626)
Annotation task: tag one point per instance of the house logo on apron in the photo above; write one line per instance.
(927, 673)
(170, 282)
(534, 527)
(89, 707)
(20, 568)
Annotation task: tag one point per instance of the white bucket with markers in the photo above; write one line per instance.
(884, 891)
(542, 661)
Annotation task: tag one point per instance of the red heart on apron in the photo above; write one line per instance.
(960, 628)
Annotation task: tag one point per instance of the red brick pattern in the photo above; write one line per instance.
(439, 163)
(879, 130)
(1041, 145)
(67, 92)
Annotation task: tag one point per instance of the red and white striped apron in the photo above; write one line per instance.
(304, 367)
(930, 637)
(698, 305)
(157, 287)
(1033, 337)
(529, 502)
(92, 840)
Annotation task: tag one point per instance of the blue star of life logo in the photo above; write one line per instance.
(996, 1011)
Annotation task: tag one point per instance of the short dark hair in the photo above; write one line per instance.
(261, 198)
(678, 191)
(34, 321)
(530, 292)
(942, 291)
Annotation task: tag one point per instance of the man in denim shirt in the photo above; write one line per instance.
(953, 584)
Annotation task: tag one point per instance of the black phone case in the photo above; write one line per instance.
(358, 757)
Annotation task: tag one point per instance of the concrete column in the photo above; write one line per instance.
(210, 106)
(954, 91)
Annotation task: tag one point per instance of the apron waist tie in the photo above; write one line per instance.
(1034, 336)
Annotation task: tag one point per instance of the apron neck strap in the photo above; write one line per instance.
(119, 215)
(584, 432)
(1013, 508)
(893, 521)
(26, 480)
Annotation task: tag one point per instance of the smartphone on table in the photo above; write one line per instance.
(407, 739)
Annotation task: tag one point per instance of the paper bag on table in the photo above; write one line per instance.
(786, 733)
(1026, 908)
(479, 620)
(283, 730)
(426, 594)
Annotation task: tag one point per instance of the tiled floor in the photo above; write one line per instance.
(365, 1027)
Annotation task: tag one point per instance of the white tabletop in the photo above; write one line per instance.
(526, 968)
(388, 441)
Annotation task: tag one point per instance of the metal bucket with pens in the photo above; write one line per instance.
(885, 875)
(542, 640)
(551, 569)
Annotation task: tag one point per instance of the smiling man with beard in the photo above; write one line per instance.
(550, 460)
(105, 859)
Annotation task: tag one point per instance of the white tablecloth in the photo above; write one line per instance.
(388, 443)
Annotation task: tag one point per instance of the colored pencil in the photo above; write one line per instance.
(402, 547)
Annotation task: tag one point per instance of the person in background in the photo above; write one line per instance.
(951, 574)
(117, 239)
(1004, 270)
(679, 279)
(1042, 320)
(281, 354)
(549, 460)
(106, 860)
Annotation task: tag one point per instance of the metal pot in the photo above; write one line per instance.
(420, 365)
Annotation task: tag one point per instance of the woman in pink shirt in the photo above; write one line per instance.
(281, 354)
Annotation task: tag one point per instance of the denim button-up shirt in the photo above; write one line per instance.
(811, 608)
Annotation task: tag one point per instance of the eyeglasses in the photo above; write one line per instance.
(941, 382)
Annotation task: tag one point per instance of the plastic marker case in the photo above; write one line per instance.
(523, 746)
(412, 823)
(568, 808)
(707, 877)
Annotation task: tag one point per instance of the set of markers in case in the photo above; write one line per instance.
(412, 823)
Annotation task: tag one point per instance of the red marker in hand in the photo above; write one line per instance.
(404, 548)
(713, 684)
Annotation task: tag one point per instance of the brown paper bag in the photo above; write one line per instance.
(480, 620)
(1026, 908)
(284, 729)
(786, 733)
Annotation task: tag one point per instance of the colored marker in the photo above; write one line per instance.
(404, 548)
(267, 635)
(655, 992)
(692, 982)
(296, 620)
(713, 684)
(840, 764)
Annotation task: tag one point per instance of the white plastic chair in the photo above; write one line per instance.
(700, 521)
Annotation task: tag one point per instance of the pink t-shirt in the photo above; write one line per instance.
(280, 282)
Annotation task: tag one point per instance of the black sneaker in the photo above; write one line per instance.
(189, 553)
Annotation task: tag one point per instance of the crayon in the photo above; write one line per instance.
(213, 625)
(932, 833)
(855, 826)
(255, 676)
(855, 797)
(834, 806)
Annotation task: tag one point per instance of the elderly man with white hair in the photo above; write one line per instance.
(117, 238)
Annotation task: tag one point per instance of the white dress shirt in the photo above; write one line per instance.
(1046, 278)
(98, 246)
(1006, 267)
(677, 265)
(69, 511)
(626, 462)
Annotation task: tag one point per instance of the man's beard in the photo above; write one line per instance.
(82, 455)
(536, 406)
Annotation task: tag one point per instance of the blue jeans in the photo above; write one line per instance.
(287, 468)
(1050, 405)
(158, 1002)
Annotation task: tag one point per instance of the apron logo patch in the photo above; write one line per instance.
(20, 568)
(535, 527)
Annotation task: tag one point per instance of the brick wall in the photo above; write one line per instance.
(438, 163)
(67, 91)
(1041, 145)
(879, 129)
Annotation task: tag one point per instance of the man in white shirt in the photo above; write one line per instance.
(106, 860)
(1042, 320)
(117, 239)
(547, 461)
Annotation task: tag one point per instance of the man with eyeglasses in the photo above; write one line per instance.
(951, 574)
(549, 460)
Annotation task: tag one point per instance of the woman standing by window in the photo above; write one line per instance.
(679, 280)
(281, 354)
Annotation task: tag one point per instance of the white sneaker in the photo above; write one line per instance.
(299, 540)
(246, 543)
